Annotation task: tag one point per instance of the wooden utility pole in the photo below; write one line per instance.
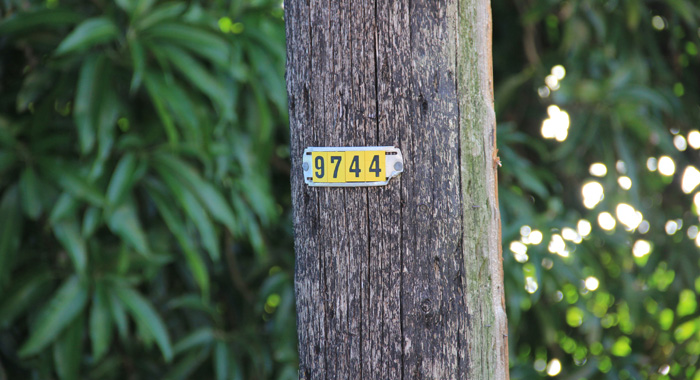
(402, 281)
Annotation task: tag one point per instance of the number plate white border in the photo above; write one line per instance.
(394, 165)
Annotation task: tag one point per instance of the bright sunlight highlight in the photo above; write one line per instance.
(535, 237)
(557, 125)
(666, 166)
(691, 179)
(592, 283)
(694, 139)
(571, 235)
(592, 194)
(598, 169)
(559, 72)
(554, 367)
(625, 182)
(606, 221)
(583, 227)
(519, 251)
(558, 246)
(628, 216)
(641, 248)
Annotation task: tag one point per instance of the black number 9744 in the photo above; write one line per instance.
(349, 166)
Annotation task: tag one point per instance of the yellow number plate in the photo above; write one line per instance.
(351, 166)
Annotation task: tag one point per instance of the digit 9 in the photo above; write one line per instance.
(319, 165)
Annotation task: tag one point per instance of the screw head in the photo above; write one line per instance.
(305, 166)
(398, 166)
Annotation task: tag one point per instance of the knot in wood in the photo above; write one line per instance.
(426, 306)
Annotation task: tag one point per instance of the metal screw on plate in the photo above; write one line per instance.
(398, 166)
(305, 166)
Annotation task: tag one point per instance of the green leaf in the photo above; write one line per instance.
(67, 232)
(194, 210)
(67, 303)
(138, 60)
(31, 197)
(146, 317)
(125, 222)
(180, 105)
(194, 260)
(31, 21)
(86, 101)
(641, 95)
(106, 122)
(91, 220)
(22, 294)
(89, 33)
(100, 323)
(35, 84)
(75, 184)
(201, 42)
(118, 314)
(166, 11)
(185, 367)
(193, 302)
(215, 203)
(65, 206)
(10, 225)
(197, 75)
(68, 350)
(221, 361)
(121, 180)
(199, 337)
(155, 91)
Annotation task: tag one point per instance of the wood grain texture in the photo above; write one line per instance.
(402, 281)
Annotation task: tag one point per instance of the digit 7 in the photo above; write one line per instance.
(338, 172)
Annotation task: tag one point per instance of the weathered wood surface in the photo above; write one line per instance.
(402, 281)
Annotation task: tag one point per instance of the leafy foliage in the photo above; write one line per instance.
(614, 303)
(136, 143)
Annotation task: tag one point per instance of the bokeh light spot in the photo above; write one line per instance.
(592, 193)
(598, 169)
(606, 221)
(691, 179)
(694, 139)
(666, 166)
(583, 227)
(641, 248)
(625, 182)
(680, 143)
(591, 283)
(554, 367)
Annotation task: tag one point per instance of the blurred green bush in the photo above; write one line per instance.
(142, 232)
(601, 281)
